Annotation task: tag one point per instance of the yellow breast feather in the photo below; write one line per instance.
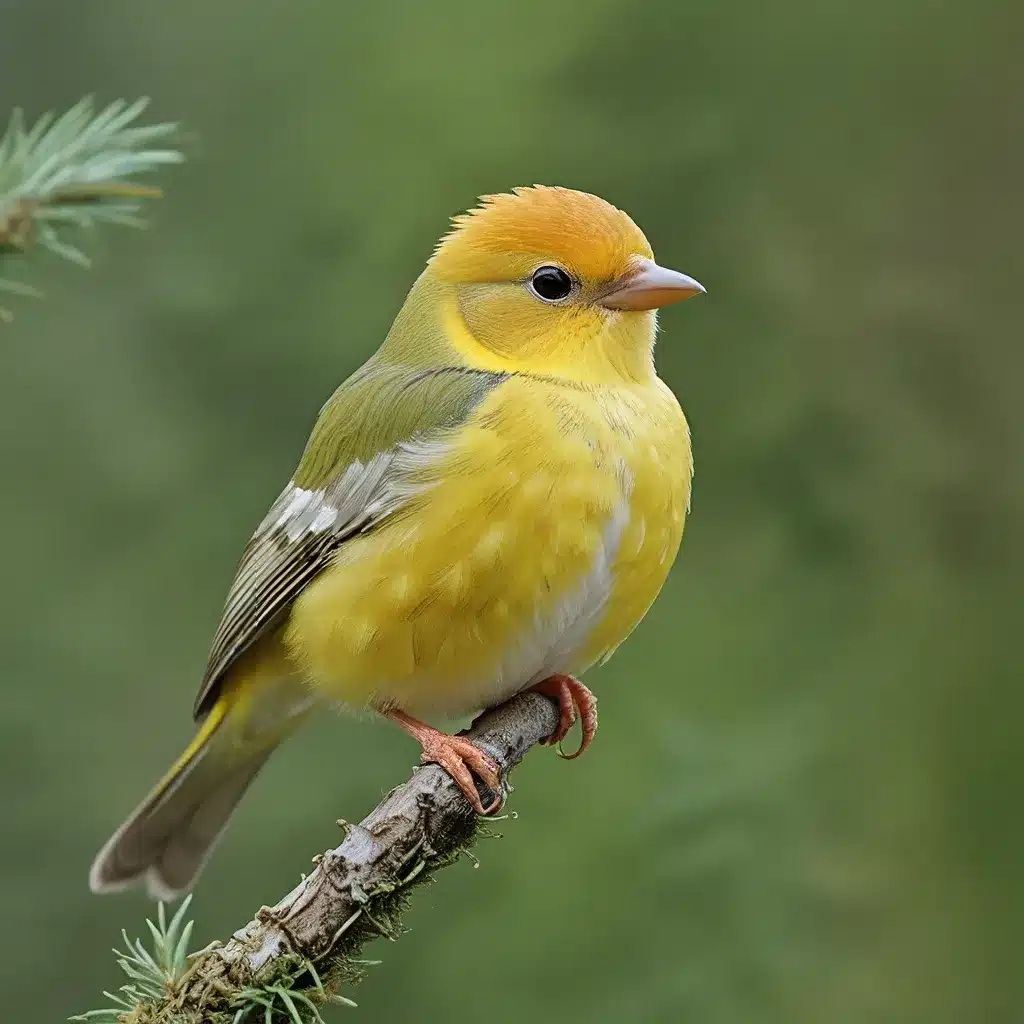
(537, 536)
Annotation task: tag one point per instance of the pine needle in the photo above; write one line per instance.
(154, 974)
(158, 975)
(68, 174)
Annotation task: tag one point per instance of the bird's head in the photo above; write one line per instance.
(555, 281)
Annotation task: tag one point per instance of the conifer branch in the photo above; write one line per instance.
(73, 172)
(292, 958)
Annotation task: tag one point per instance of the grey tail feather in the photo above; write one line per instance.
(170, 835)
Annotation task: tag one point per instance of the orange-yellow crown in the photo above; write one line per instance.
(509, 233)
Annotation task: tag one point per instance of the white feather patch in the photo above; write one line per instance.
(552, 643)
(363, 495)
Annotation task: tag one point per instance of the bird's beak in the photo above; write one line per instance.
(648, 286)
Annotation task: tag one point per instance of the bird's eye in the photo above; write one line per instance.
(550, 284)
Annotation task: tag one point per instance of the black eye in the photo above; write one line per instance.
(550, 284)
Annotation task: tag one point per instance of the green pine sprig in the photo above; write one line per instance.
(70, 173)
(158, 977)
(154, 975)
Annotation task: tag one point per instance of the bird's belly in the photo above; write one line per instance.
(458, 606)
(517, 562)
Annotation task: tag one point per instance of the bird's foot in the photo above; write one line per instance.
(460, 758)
(574, 701)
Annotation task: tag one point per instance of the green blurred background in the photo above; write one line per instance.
(804, 805)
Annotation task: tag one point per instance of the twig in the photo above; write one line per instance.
(294, 955)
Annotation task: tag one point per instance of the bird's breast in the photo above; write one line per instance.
(532, 542)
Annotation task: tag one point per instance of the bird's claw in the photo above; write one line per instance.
(574, 701)
(462, 759)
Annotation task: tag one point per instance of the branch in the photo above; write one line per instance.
(73, 172)
(293, 956)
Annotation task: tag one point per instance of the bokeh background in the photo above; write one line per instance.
(804, 805)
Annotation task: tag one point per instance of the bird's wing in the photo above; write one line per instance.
(379, 424)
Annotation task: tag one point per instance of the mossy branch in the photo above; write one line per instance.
(293, 957)
(70, 173)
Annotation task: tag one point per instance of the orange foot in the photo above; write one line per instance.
(574, 700)
(458, 757)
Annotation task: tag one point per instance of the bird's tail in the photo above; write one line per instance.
(168, 837)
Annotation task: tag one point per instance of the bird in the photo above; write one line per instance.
(490, 504)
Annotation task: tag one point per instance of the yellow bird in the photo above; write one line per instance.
(490, 504)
